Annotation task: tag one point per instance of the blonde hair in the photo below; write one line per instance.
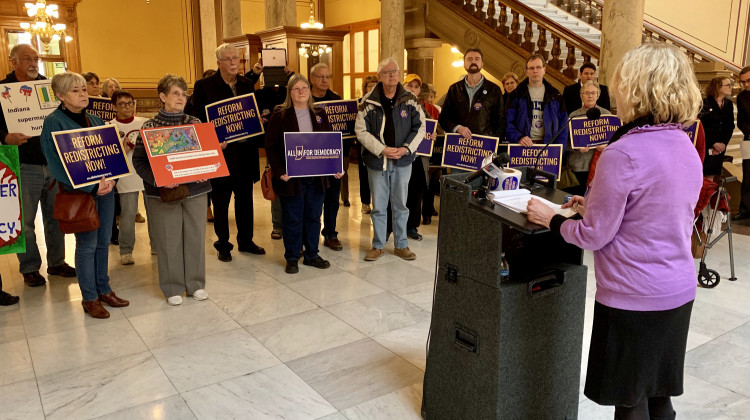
(288, 104)
(657, 80)
(510, 75)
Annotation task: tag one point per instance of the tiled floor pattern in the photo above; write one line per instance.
(342, 343)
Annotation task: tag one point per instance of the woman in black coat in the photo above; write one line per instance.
(717, 117)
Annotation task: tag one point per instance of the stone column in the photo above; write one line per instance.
(208, 34)
(281, 13)
(622, 26)
(420, 56)
(231, 16)
(392, 30)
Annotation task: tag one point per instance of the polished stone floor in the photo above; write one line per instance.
(342, 343)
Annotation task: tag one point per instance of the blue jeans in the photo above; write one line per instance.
(92, 251)
(331, 209)
(393, 183)
(301, 219)
(35, 179)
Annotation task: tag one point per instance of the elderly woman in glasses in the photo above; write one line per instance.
(717, 117)
(91, 247)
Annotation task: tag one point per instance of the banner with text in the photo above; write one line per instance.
(550, 161)
(235, 118)
(184, 153)
(313, 154)
(590, 133)
(692, 131)
(102, 108)
(88, 154)
(425, 147)
(26, 104)
(12, 235)
(342, 115)
(467, 154)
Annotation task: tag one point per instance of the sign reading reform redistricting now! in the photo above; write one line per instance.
(590, 133)
(88, 154)
(12, 238)
(26, 104)
(184, 153)
(550, 161)
(313, 154)
(102, 108)
(235, 118)
(342, 115)
(425, 146)
(467, 154)
(692, 131)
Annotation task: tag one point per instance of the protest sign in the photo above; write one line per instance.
(342, 115)
(550, 161)
(590, 133)
(12, 235)
(102, 108)
(26, 104)
(425, 147)
(235, 118)
(692, 131)
(313, 154)
(467, 154)
(185, 153)
(88, 154)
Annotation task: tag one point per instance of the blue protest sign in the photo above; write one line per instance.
(692, 131)
(235, 118)
(342, 115)
(313, 154)
(88, 154)
(550, 161)
(589, 133)
(102, 108)
(425, 146)
(467, 154)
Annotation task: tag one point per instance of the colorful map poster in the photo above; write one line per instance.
(88, 154)
(26, 104)
(185, 153)
(12, 238)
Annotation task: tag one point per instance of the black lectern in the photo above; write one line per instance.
(503, 347)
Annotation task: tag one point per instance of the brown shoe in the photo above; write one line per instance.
(405, 253)
(112, 300)
(95, 309)
(34, 279)
(334, 244)
(139, 218)
(373, 254)
(63, 270)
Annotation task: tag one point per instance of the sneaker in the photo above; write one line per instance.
(276, 234)
(139, 218)
(373, 254)
(292, 267)
(334, 244)
(175, 300)
(413, 234)
(62, 270)
(316, 262)
(127, 259)
(405, 253)
(200, 294)
(366, 209)
(34, 279)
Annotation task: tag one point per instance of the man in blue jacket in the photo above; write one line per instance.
(390, 125)
(535, 110)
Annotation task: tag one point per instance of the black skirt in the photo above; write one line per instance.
(636, 354)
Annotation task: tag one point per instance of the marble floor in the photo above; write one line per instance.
(342, 343)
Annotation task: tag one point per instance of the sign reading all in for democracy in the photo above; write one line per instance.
(102, 108)
(467, 154)
(88, 154)
(12, 238)
(589, 133)
(235, 118)
(550, 161)
(342, 115)
(425, 146)
(26, 104)
(313, 154)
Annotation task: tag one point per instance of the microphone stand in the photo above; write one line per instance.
(533, 172)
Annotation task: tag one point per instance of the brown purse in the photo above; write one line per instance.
(177, 193)
(266, 184)
(75, 212)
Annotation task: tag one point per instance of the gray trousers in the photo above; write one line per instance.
(179, 236)
(128, 210)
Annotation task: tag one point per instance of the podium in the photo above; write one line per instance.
(503, 347)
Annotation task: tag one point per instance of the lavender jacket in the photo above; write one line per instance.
(639, 219)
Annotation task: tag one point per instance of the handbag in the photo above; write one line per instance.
(266, 184)
(567, 179)
(75, 211)
(178, 193)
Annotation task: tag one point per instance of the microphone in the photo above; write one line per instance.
(497, 162)
(591, 113)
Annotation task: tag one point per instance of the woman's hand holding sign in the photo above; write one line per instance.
(105, 186)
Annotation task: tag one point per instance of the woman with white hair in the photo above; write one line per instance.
(109, 87)
(638, 218)
(91, 247)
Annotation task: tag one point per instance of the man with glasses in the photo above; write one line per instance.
(320, 81)
(390, 125)
(743, 123)
(535, 110)
(37, 183)
(241, 157)
(572, 94)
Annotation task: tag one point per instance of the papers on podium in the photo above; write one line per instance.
(518, 200)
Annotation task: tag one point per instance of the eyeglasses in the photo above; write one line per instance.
(322, 77)
(300, 90)
(126, 104)
(589, 93)
(389, 72)
(29, 59)
(230, 59)
(535, 68)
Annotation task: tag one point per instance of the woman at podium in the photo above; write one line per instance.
(637, 218)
